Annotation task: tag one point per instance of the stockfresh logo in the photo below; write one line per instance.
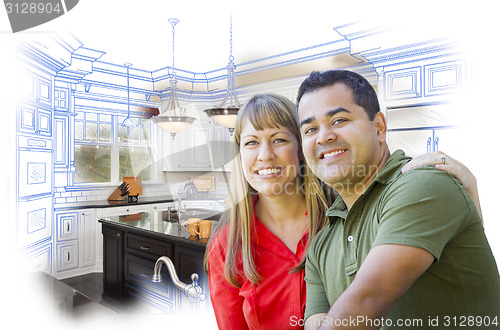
(25, 14)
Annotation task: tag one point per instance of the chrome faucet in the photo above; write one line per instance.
(193, 291)
(179, 193)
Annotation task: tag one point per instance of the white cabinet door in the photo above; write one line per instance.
(193, 150)
(34, 220)
(201, 147)
(453, 141)
(87, 238)
(412, 142)
(222, 148)
(200, 152)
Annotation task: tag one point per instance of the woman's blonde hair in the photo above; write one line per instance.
(264, 111)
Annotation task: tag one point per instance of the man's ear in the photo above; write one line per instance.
(381, 125)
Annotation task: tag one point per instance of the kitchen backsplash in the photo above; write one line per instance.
(87, 194)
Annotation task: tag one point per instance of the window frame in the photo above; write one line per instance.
(114, 143)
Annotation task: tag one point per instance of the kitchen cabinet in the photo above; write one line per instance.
(423, 128)
(78, 239)
(134, 209)
(223, 149)
(113, 265)
(37, 87)
(189, 151)
(35, 120)
(189, 260)
(203, 146)
(130, 253)
(142, 293)
(34, 170)
(215, 205)
(61, 98)
(75, 242)
(61, 142)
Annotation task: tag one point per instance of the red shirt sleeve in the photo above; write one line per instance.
(226, 299)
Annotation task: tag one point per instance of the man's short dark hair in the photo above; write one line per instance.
(363, 93)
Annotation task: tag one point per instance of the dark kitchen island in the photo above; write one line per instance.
(131, 246)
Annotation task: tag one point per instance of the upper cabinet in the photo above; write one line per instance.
(37, 88)
(423, 82)
(35, 113)
(34, 120)
(421, 100)
(203, 146)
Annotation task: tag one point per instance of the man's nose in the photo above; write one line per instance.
(325, 135)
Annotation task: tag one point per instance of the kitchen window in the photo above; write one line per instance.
(135, 149)
(105, 151)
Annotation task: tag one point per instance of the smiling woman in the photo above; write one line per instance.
(255, 259)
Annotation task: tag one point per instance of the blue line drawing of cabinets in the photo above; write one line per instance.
(34, 151)
(419, 86)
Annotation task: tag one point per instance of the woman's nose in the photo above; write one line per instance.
(265, 152)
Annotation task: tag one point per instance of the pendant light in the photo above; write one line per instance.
(128, 122)
(227, 111)
(173, 119)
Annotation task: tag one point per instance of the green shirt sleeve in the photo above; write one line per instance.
(424, 208)
(316, 300)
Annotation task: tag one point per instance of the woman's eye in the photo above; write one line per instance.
(280, 141)
(250, 143)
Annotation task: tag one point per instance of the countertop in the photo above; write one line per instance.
(141, 201)
(157, 224)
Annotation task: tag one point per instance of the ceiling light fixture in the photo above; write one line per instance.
(226, 114)
(128, 122)
(173, 119)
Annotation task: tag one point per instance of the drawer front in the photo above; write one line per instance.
(67, 256)
(148, 247)
(124, 210)
(139, 274)
(67, 226)
(161, 206)
(142, 302)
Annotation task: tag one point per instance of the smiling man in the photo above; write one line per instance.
(404, 251)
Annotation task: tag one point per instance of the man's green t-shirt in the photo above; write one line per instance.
(425, 208)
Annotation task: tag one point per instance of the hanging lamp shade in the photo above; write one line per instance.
(224, 116)
(227, 111)
(173, 119)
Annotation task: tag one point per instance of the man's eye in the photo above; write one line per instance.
(310, 130)
(338, 121)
